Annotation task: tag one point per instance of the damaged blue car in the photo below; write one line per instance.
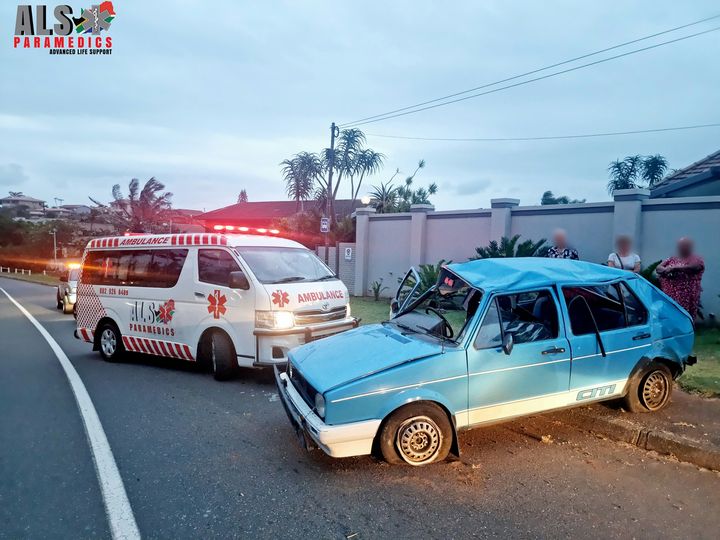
(494, 339)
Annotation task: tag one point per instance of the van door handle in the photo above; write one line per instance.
(554, 350)
(200, 295)
(641, 336)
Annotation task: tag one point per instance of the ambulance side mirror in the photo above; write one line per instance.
(238, 280)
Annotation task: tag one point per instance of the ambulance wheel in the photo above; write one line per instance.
(416, 434)
(222, 356)
(110, 342)
(650, 391)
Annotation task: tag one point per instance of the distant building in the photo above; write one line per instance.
(701, 179)
(78, 210)
(34, 206)
(265, 213)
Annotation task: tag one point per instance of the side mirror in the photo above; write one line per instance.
(507, 345)
(238, 280)
(394, 306)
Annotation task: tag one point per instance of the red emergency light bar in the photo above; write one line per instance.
(230, 228)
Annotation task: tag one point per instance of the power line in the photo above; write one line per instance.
(545, 138)
(406, 110)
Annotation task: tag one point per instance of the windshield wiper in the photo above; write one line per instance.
(403, 326)
(325, 278)
(290, 279)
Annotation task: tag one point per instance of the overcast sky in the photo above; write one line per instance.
(209, 97)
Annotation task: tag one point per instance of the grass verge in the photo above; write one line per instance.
(368, 310)
(33, 278)
(704, 377)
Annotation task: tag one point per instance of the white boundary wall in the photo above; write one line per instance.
(388, 244)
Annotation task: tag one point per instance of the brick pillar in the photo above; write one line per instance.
(418, 232)
(627, 218)
(501, 217)
(362, 235)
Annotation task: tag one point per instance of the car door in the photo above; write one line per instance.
(408, 291)
(608, 331)
(216, 304)
(534, 375)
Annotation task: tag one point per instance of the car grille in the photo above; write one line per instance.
(301, 385)
(316, 316)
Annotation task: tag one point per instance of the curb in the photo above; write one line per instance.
(683, 448)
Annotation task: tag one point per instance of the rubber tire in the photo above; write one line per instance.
(119, 348)
(389, 432)
(223, 362)
(59, 303)
(67, 309)
(633, 401)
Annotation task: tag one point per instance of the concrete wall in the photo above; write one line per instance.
(387, 244)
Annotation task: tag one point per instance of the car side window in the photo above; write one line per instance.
(215, 265)
(612, 306)
(529, 316)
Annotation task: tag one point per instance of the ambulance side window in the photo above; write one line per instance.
(215, 265)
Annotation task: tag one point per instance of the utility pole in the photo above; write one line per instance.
(54, 235)
(329, 209)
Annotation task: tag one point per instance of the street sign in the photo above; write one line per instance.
(348, 254)
(324, 225)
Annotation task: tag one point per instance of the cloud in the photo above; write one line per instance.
(12, 175)
(467, 187)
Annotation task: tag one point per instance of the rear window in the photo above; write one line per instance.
(137, 268)
(612, 306)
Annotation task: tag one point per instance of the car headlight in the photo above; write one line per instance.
(348, 312)
(274, 320)
(73, 291)
(320, 405)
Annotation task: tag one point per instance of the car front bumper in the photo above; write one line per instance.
(345, 440)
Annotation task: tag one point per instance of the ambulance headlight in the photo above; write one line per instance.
(320, 405)
(274, 320)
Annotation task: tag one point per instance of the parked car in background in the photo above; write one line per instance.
(66, 292)
(225, 300)
(493, 340)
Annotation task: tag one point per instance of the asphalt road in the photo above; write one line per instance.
(203, 459)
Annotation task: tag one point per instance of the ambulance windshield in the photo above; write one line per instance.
(285, 264)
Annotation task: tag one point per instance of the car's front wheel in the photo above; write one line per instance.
(67, 308)
(417, 434)
(110, 342)
(651, 390)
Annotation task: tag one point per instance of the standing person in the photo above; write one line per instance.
(560, 248)
(680, 276)
(623, 257)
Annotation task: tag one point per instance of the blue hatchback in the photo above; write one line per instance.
(493, 340)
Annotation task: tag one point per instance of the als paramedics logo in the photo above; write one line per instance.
(217, 304)
(280, 298)
(33, 31)
(165, 312)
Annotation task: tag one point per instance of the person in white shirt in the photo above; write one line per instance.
(623, 257)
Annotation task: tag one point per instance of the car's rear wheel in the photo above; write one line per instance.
(417, 434)
(110, 342)
(221, 355)
(651, 390)
(59, 302)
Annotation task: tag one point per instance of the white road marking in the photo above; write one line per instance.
(117, 506)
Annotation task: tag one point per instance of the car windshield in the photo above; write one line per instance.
(444, 310)
(284, 264)
(73, 274)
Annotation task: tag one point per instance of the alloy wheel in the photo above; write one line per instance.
(108, 342)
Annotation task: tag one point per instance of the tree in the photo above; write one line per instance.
(633, 171)
(142, 211)
(300, 173)
(15, 193)
(243, 197)
(653, 169)
(549, 198)
(387, 198)
(384, 197)
(509, 247)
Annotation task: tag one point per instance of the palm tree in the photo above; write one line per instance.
(243, 197)
(367, 163)
(142, 210)
(653, 169)
(299, 183)
(384, 196)
(509, 247)
(624, 174)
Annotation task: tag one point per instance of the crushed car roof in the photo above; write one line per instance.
(528, 272)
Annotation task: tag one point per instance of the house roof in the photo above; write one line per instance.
(20, 198)
(524, 273)
(707, 168)
(270, 210)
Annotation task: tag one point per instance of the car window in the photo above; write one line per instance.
(215, 265)
(612, 306)
(528, 316)
(137, 268)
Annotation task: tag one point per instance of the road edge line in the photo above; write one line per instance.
(117, 505)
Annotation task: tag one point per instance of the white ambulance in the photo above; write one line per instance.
(226, 300)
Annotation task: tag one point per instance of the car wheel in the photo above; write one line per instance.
(222, 356)
(417, 434)
(59, 302)
(110, 342)
(67, 308)
(650, 391)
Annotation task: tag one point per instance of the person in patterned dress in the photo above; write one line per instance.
(560, 249)
(680, 276)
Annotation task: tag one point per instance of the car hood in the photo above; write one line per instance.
(352, 355)
(320, 295)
